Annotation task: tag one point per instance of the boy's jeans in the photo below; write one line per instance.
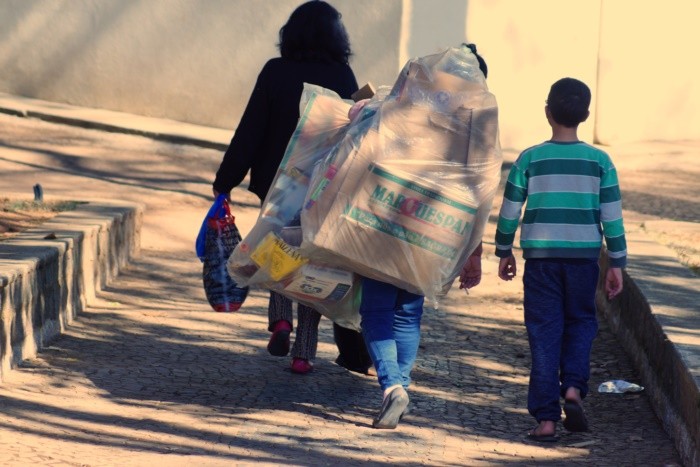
(560, 317)
(391, 328)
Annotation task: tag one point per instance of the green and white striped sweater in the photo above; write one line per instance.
(573, 200)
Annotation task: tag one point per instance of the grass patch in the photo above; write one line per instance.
(14, 205)
(683, 244)
(18, 215)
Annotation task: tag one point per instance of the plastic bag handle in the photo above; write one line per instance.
(218, 210)
(225, 207)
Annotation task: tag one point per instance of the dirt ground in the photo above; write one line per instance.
(660, 193)
(149, 374)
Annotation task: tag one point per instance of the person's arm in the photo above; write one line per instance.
(613, 282)
(247, 139)
(613, 230)
(470, 276)
(513, 200)
(611, 218)
(507, 268)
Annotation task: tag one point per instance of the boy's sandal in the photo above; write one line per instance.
(575, 420)
(542, 438)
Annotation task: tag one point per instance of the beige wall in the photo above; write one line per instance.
(196, 60)
(189, 60)
(527, 49)
(649, 75)
(636, 55)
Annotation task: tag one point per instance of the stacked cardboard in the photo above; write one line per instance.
(404, 197)
(268, 256)
(401, 193)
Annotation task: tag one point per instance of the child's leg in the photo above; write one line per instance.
(377, 312)
(306, 339)
(279, 314)
(279, 308)
(544, 320)
(407, 332)
(580, 325)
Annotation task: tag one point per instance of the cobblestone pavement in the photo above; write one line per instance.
(149, 375)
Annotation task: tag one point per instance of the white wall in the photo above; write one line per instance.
(189, 60)
(434, 25)
(528, 45)
(637, 56)
(196, 60)
(649, 76)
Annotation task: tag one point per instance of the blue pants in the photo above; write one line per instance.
(391, 328)
(560, 317)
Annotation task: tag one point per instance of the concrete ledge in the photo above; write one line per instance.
(108, 120)
(657, 321)
(49, 274)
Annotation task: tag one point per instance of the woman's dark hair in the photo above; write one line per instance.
(315, 32)
(482, 63)
(568, 101)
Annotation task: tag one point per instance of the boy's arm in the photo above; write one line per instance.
(507, 268)
(611, 218)
(613, 282)
(513, 200)
(613, 230)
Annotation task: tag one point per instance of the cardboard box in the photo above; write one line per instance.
(416, 211)
(396, 227)
(312, 283)
(365, 92)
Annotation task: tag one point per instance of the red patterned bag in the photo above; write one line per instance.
(216, 240)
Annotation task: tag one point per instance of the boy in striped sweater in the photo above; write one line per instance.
(573, 200)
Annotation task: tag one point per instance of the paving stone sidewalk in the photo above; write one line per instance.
(149, 375)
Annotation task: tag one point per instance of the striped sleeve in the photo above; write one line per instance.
(513, 201)
(611, 217)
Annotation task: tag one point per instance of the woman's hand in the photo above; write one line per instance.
(216, 194)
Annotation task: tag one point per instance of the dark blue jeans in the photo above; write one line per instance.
(391, 328)
(560, 317)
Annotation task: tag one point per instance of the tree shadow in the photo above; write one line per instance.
(657, 204)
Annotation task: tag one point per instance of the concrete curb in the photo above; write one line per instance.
(655, 319)
(116, 122)
(49, 274)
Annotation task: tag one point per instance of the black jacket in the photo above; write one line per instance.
(270, 118)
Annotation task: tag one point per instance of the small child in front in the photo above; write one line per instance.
(572, 199)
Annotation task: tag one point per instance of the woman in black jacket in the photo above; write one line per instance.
(314, 49)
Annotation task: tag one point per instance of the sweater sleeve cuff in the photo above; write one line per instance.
(617, 262)
(504, 253)
(221, 188)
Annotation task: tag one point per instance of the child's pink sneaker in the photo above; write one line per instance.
(301, 366)
(279, 341)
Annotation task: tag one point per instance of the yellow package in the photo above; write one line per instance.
(276, 257)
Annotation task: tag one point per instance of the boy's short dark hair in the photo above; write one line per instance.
(568, 102)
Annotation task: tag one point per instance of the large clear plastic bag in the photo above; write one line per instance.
(268, 256)
(405, 195)
(401, 193)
